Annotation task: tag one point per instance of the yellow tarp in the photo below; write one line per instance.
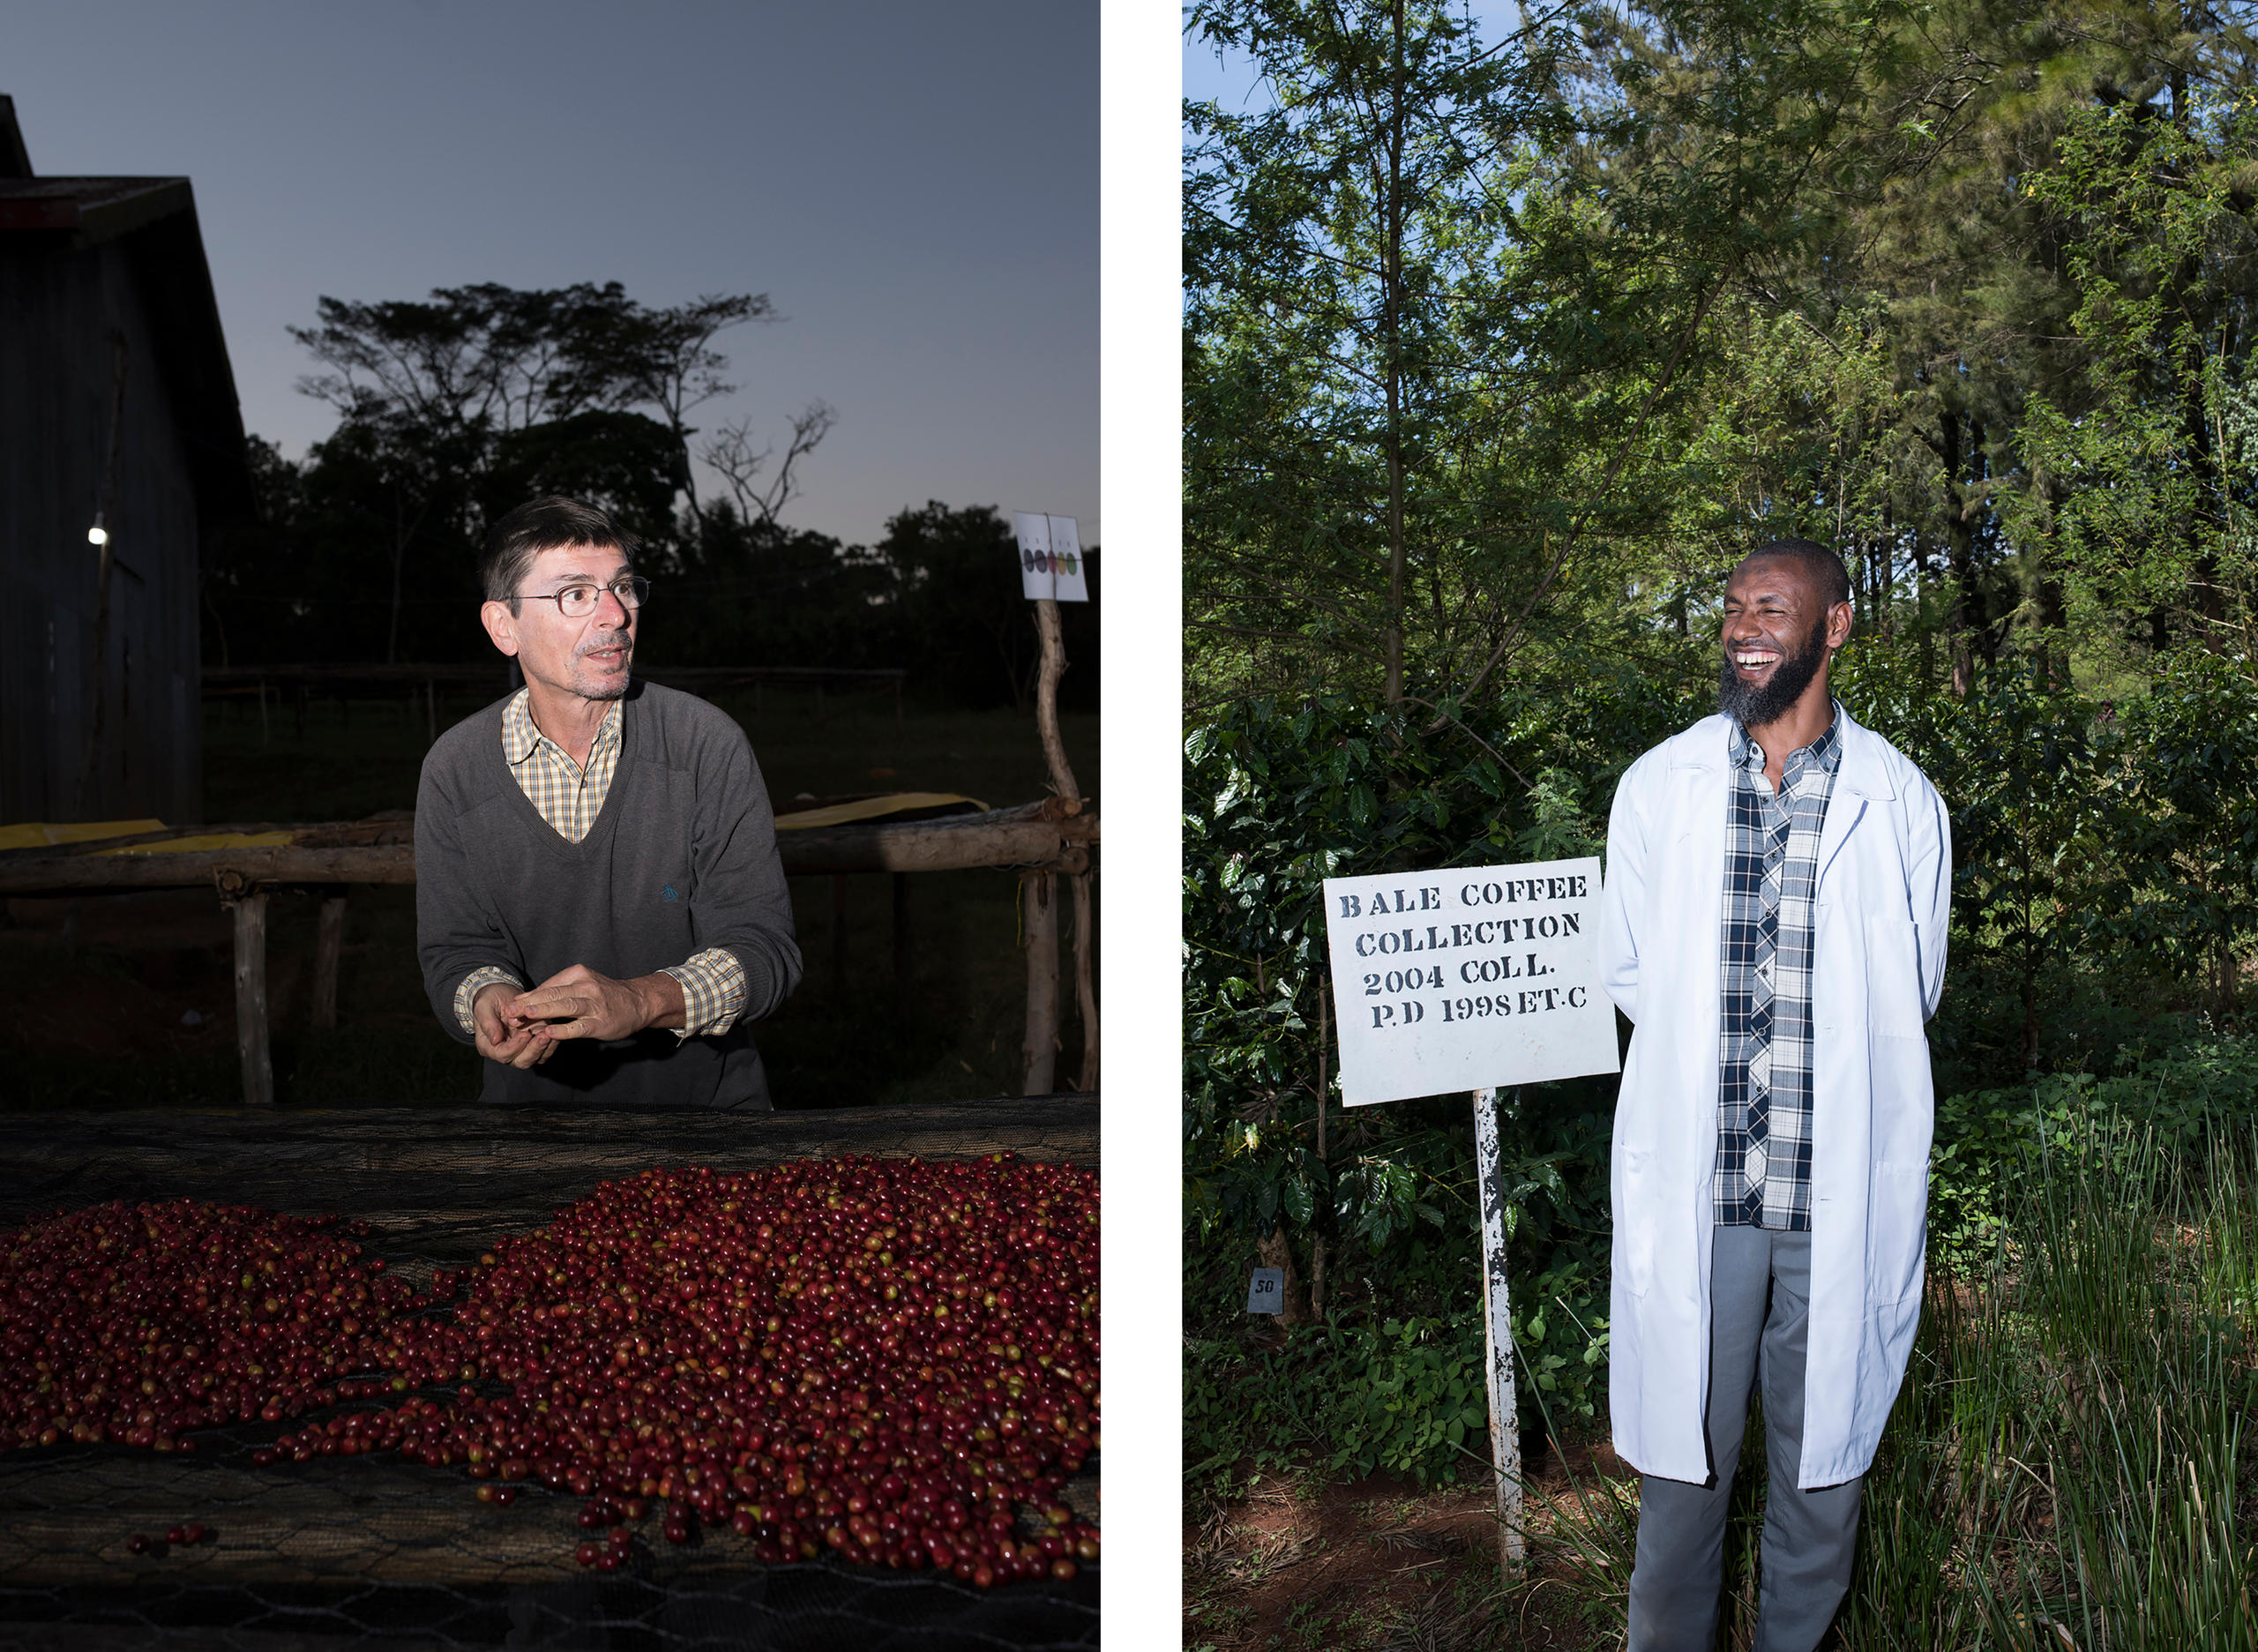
(33, 834)
(206, 841)
(41, 834)
(870, 809)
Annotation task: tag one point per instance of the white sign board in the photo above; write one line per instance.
(1473, 978)
(1066, 568)
(1265, 1290)
(1051, 557)
(1032, 532)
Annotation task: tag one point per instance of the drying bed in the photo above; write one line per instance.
(383, 1545)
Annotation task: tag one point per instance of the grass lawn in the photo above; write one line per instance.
(129, 1000)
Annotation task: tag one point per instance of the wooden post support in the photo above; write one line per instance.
(1497, 1323)
(1039, 913)
(329, 947)
(1085, 982)
(251, 998)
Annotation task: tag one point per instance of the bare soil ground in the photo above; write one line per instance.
(180, 944)
(1293, 1561)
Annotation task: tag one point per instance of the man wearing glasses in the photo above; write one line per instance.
(606, 840)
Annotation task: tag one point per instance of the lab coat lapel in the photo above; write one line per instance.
(1701, 775)
(1859, 782)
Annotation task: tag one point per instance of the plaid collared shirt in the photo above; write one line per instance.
(1763, 1171)
(570, 797)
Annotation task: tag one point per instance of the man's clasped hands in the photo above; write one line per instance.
(523, 1028)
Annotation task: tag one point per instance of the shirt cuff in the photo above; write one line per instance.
(713, 992)
(484, 976)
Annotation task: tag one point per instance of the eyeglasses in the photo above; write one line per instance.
(578, 602)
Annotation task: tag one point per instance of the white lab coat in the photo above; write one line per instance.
(1885, 880)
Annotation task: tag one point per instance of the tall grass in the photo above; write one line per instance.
(2070, 1463)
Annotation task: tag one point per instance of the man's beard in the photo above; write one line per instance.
(589, 687)
(1759, 705)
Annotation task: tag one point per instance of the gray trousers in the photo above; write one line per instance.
(1759, 1315)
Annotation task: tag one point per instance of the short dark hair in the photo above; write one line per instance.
(541, 525)
(1823, 568)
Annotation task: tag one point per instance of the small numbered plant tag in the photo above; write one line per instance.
(1265, 1292)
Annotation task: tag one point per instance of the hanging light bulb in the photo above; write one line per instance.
(98, 534)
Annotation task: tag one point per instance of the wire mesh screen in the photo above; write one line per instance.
(220, 1543)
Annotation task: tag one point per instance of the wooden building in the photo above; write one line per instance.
(117, 408)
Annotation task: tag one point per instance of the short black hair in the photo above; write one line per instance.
(541, 525)
(1823, 568)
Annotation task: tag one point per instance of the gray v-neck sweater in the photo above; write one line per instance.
(682, 857)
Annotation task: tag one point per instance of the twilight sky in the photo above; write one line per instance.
(914, 184)
(1230, 76)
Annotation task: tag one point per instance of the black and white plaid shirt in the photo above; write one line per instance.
(1771, 873)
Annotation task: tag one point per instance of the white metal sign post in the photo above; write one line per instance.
(1498, 1330)
(1471, 979)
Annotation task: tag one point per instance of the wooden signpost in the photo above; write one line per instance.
(1473, 978)
(1051, 572)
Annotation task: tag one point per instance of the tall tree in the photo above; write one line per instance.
(2156, 197)
(1333, 241)
(1450, 306)
(454, 407)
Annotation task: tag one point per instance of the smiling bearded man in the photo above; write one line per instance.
(1772, 922)
(606, 838)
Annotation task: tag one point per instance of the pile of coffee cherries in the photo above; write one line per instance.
(137, 1323)
(887, 1359)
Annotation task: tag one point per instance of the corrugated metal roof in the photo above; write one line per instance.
(94, 208)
